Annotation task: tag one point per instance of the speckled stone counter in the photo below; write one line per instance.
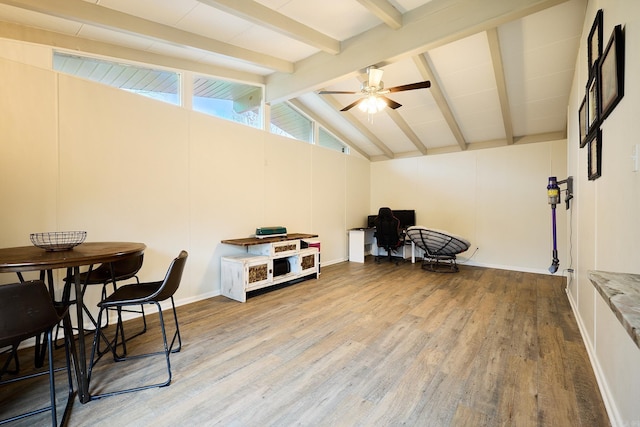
(622, 292)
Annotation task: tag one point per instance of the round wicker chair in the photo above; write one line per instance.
(440, 248)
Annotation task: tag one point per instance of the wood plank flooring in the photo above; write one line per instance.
(365, 345)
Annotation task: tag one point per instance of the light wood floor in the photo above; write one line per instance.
(365, 345)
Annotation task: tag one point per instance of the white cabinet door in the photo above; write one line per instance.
(243, 273)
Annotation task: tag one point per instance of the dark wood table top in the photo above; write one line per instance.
(30, 258)
(250, 241)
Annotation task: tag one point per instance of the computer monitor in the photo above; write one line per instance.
(407, 218)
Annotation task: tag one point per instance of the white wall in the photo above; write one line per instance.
(605, 217)
(28, 164)
(495, 197)
(185, 180)
(82, 156)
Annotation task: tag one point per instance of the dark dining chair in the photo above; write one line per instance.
(109, 273)
(132, 295)
(26, 311)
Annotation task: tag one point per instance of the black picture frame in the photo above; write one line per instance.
(592, 103)
(582, 122)
(595, 156)
(594, 41)
(611, 70)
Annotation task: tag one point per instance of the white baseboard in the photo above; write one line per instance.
(605, 392)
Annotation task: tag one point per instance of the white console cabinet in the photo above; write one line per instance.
(266, 263)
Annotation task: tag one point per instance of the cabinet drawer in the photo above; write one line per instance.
(308, 261)
(247, 271)
(276, 249)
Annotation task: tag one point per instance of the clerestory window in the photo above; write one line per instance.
(158, 84)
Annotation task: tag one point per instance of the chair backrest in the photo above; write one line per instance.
(126, 268)
(387, 228)
(26, 310)
(172, 279)
(123, 269)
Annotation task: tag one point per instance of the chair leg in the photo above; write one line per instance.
(119, 332)
(177, 333)
(69, 350)
(12, 356)
(52, 380)
(51, 370)
(98, 337)
(144, 318)
(52, 384)
(167, 350)
(66, 299)
(144, 324)
(440, 264)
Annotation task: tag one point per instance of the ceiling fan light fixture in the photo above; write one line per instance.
(372, 104)
(373, 93)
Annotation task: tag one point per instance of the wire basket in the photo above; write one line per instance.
(58, 240)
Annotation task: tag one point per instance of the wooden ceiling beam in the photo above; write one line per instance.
(498, 69)
(406, 129)
(103, 17)
(426, 27)
(77, 44)
(384, 11)
(349, 117)
(258, 14)
(296, 103)
(441, 101)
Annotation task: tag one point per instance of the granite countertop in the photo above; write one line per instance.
(622, 293)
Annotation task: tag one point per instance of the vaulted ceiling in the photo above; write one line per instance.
(500, 70)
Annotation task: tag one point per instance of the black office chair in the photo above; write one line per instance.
(388, 234)
(132, 295)
(26, 311)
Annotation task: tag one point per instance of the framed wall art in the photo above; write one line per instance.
(592, 107)
(582, 122)
(612, 73)
(594, 41)
(595, 156)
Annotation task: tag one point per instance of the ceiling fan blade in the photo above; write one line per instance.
(329, 92)
(375, 75)
(420, 85)
(350, 106)
(391, 103)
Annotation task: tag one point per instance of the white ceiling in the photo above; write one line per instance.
(500, 70)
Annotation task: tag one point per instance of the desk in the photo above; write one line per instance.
(31, 258)
(362, 241)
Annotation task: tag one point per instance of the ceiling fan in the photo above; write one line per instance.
(373, 92)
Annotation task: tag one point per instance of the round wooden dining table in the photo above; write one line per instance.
(31, 258)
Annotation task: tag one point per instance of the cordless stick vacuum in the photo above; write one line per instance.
(553, 193)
